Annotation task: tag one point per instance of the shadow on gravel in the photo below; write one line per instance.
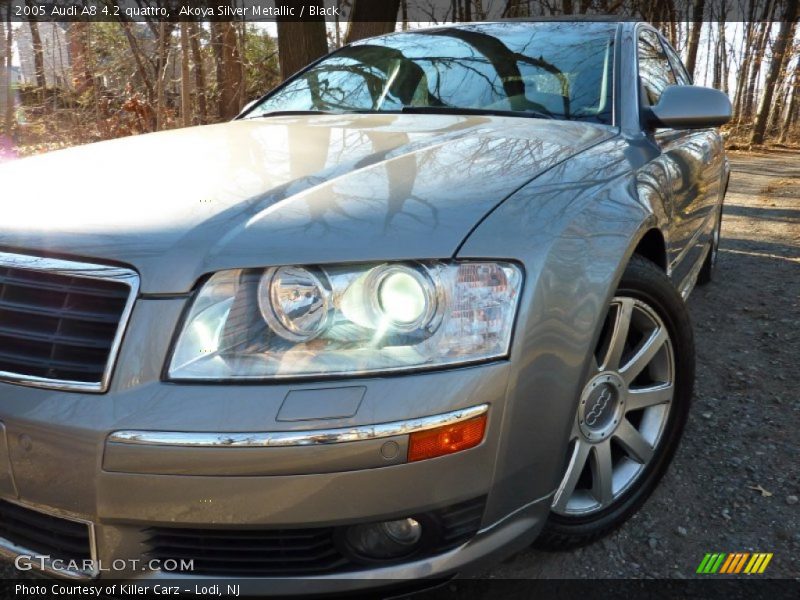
(787, 215)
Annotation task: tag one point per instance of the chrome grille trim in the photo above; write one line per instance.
(70, 268)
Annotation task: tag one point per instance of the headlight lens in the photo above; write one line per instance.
(294, 302)
(345, 320)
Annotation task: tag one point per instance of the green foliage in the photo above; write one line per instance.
(261, 70)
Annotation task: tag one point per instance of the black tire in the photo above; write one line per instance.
(645, 281)
(706, 274)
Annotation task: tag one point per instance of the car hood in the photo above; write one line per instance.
(282, 190)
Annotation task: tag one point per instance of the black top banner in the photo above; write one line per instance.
(424, 11)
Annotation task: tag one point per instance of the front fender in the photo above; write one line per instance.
(574, 230)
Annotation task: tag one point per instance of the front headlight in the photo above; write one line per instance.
(296, 321)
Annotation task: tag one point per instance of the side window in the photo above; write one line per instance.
(677, 66)
(655, 72)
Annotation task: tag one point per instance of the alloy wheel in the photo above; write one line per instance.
(622, 411)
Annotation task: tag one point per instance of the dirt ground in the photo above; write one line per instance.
(744, 429)
(735, 482)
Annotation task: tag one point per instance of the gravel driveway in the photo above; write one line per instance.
(735, 482)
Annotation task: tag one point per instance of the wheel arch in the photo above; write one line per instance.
(653, 246)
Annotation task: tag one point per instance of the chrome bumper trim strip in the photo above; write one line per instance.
(294, 438)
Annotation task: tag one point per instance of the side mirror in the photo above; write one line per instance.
(690, 107)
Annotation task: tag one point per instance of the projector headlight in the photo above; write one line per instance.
(292, 321)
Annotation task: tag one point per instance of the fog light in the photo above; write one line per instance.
(389, 539)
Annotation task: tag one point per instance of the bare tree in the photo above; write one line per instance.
(300, 43)
(38, 52)
(694, 37)
(778, 55)
(138, 59)
(8, 121)
(199, 73)
(228, 65)
(163, 54)
(794, 104)
(776, 110)
(370, 18)
(749, 101)
(186, 85)
(79, 47)
(722, 47)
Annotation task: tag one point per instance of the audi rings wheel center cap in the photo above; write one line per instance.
(602, 406)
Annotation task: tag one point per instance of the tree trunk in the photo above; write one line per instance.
(82, 77)
(242, 74)
(723, 53)
(300, 43)
(370, 18)
(749, 100)
(38, 55)
(162, 69)
(713, 55)
(516, 9)
(141, 69)
(337, 26)
(761, 51)
(229, 74)
(794, 102)
(746, 53)
(776, 110)
(199, 73)
(219, 62)
(8, 120)
(694, 37)
(186, 85)
(778, 52)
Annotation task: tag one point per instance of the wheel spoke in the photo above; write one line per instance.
(644, 355)
(619, 334)
(649, 396)
(576, 464)
(632, 441)
(602, 475)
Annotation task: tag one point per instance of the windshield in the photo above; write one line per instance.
(553, 70)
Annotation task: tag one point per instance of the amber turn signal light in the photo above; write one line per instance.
(446, 440)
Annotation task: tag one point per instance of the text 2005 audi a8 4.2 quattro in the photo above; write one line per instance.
(407, 314)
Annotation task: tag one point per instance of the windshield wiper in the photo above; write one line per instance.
(452, 110)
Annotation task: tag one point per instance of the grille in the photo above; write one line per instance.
(289, 552)
(45, 534)
(60, 322)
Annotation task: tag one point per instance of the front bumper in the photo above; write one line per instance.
(58, 455)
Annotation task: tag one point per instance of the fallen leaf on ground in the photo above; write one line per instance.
(758, 488)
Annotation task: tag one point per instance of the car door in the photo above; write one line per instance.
(691, 159)
(707, 207)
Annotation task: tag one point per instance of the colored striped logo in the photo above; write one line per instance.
(733, 563)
